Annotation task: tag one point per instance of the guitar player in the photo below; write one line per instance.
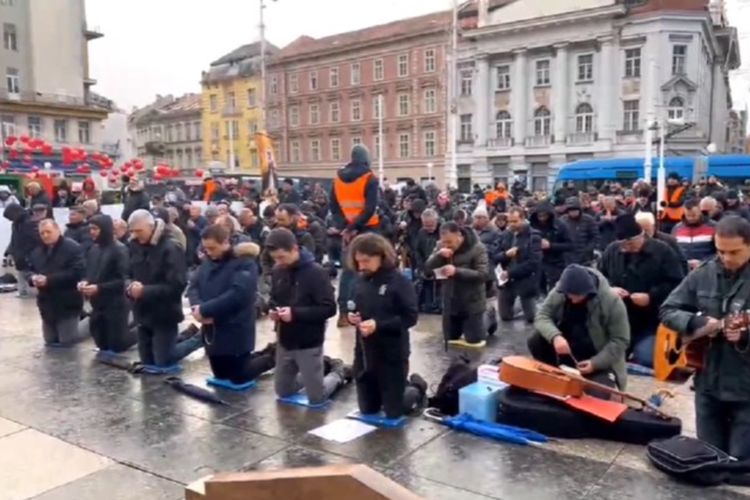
(716, 290)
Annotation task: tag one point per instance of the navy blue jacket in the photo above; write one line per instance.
(225, 290)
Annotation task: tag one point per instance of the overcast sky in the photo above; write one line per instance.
(161, 46)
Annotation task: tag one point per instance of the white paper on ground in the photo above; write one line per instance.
(343, 431)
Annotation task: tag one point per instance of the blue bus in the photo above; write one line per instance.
(731, 170)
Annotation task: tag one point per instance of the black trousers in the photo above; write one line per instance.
(381, 384)
(242, 368)
(471, 326)
(110, 330)
(724, 424)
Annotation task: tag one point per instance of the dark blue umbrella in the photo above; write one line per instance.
(497, 432)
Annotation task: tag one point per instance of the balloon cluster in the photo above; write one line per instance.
(131, 168)
(164, 171)
(23, 148)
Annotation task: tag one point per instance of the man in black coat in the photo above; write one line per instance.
(556, 243)
(77, 228)
(107, 267)
(159, 276)
(135, 198)
(57, 266)
(302, 300)
(584, 231)
(24, 238)
(520, 254)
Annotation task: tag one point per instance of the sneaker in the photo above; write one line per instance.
(420, 383)
(343, 322)
(462, 343)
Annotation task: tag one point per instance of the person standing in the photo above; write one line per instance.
(302, 300)
(104, 286)
(584, 232)
(674, 204)
(57, 266)
(383, 308)
(556, 242)
(24, 238)
(159, 277)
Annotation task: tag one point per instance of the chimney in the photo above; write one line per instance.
(483, 8)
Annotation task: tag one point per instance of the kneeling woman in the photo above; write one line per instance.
(383, 310)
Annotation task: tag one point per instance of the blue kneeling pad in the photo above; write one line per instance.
(300, 399)
(226, 384)
(378, 419)
(161, 370)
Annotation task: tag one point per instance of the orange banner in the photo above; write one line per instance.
(264, 143)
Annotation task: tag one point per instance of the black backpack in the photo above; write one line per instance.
(696, 462)
(459, 374)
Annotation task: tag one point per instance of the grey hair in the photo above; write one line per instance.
(141, 216)
(429, 214)
(646, 217)
(91, 204)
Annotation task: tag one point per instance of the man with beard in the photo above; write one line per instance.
(288, 216)
(253, 226)
(135, 198)
(584, 233)
(104, 286)
(556, 242)
(57, 266)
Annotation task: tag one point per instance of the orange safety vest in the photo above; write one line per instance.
(490, 197)
(674, 214)
(351, 198)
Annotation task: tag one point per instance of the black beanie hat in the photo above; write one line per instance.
(576, 280)
(626, 227)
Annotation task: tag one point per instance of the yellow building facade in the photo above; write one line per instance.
(231, 110)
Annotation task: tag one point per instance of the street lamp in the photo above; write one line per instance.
(263, 63)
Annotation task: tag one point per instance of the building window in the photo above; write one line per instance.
(252, 98)
(356, 110)
(356, 140)
(293, 84)
(377, 107)
(585, 67)
(213, 103)
(214, 132)
(274, 85)
(294, 151)
(84, 132)
(504, 125)
(542, 72)
(429, 61)
(188, 158)
(377, 70)
(676, 109)
(231, 101)
(467, 135)
(197, 132)
(10, 37)
(430, 101)
(232, 129)
(404, 145)
(294, 116)
(542, 122)
(467, 82)
(633, 63)
(168, 133)
(7, 125)
(355, 76)
(13, 80)
(333, 77)
(403, 104)
(274, 118)
(631, 116)
(313, 80)
(35, 126)
(252, 126)
(188, 132)
(503, 77)
(334, 112)
(178, 132)
(315, 150)
(335, 149)
(314, 111)
(403, 65)
(61, 130)
(430, 148)
(679, 59)
(584, 118)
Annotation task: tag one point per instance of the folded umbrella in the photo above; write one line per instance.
(194, 391)
(497, 432)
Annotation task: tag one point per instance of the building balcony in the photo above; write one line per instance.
(57, 100)
(155, 148)
(539, 141)
(92, 33)
(581, 138)
(500, 142)
(231, 112)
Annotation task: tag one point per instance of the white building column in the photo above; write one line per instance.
(482, 100)
(560, 89)
(519, 97)
(607, 100)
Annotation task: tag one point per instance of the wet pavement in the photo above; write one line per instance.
(74, 429)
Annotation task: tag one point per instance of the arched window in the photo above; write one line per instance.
(676, 109)
(542, 122)
(504, 124)
(584, 118)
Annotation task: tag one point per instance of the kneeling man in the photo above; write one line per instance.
(585, 322)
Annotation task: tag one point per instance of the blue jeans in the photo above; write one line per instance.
(642, 351)
(158, 346)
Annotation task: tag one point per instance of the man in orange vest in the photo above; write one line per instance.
(674, 204)
(354, 204)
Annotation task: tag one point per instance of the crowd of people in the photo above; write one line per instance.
(594, 270)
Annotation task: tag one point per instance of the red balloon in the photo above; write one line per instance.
(10, 140)
(103, 173)
(27, 159)
(34, 169)
(95, 155)
(47, 149)
(27, 150)
(12, 153)
(115, 171)
(199, 172)
(138, 166)
(80, 169)
(85, 166)
(175, 172)
(127, 164)
(66, 150)
(24, 139)
(81, 152)
(5, 164)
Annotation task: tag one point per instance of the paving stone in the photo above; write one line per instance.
(7, 427)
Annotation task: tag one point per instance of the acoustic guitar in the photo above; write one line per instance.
(677, 356)
(532, 375)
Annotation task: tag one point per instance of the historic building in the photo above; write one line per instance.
(546, 83)
(325, 95)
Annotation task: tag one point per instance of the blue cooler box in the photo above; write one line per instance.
(480, 400)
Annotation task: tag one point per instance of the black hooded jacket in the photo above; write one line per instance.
(107, 266)
(584, 232)
(63, 265)
(350, 173)
(24, 236)
(555, 232)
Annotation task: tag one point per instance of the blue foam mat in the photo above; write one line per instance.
(161, 370)
(378, 420)
(226, 384)
(300, 399)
